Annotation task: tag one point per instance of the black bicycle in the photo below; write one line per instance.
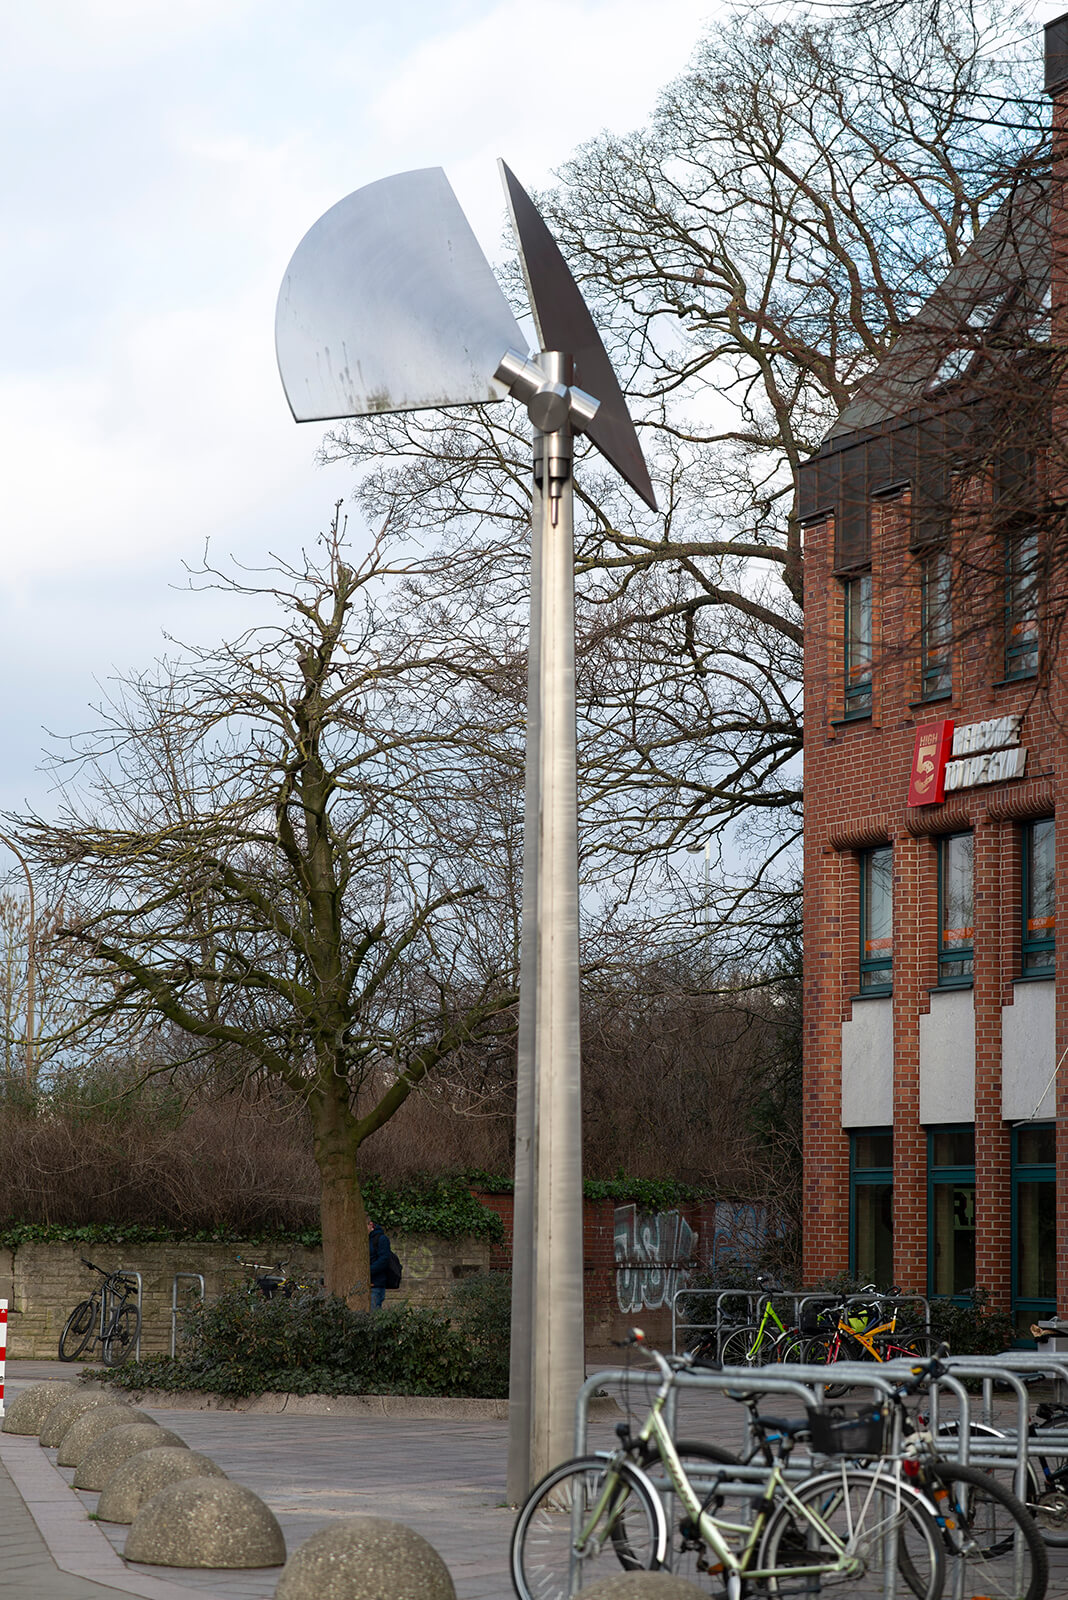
(111, 1317)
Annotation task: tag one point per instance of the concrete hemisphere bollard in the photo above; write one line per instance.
(365, 1558)
(26, 1413)
(206, 1522)
(142, 1476)
(106, 1455)
(643, 1586)
(66, 1408)
(86, 1430)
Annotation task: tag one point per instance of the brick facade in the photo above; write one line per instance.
(856, 787)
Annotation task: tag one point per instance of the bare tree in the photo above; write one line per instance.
(276, 874)
(751, 255)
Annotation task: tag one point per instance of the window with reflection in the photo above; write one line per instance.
(1039, 898)
(955, 909)
(935, 627)
(1021, 605)
(1034, 1223)
(871, 1231)
(877, 918)
(951, 1210)
(858, 645)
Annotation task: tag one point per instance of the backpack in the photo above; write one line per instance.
(394, 1271)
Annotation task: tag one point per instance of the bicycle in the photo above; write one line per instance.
(107, 1318)
(269, 1281)
(841, 1526)
(854, 1339)
(752, 1344)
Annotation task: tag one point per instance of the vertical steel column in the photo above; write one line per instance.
(558, 1362)
(520, 1375)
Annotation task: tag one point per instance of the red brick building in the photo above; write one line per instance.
(936, 778)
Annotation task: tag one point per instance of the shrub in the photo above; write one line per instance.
(972, 1329)
(241, 1344)
(480, 1308)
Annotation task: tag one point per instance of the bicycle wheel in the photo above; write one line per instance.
(823, 1352)
(858, 1521)
(554, 1550)
(77, 1330)
(121, 1336)
(905, 1346)
(744, 1347)
(1047, 1500)
(703, 1465)
(989, 1535)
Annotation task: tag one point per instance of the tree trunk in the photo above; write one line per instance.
(344, 1221)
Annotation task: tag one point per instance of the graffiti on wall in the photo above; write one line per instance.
(652, 1251)
(739, 1234)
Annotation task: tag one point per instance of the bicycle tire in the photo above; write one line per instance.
(745, 1347)
(858, 1508)
(903, 1347)
(77, 1332)
(628, 1538)
(684, 1548)
(818, 1354)
(121, 1336)
(985, 1525)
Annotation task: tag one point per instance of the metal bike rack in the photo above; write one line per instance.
(128, 1272)
(196, 1277)
(756, 1299)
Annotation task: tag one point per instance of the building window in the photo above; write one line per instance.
(1034, 1224)
(935, 627)
(877, 919)
(1039, 900)
(871, 1190)
(1021, 605)
(858, 645)
(955, 929)
(951, 1211)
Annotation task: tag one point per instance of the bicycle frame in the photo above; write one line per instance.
(735, 1567)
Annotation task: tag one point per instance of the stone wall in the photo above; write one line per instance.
(43, 1282)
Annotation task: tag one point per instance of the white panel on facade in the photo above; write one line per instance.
(947, 1058)
(1029, 1052)
(868, 1065)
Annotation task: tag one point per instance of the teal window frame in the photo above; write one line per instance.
(960, 954)
(1021, 605)
(859, 645)
(862, 1176)
(956, 1175)
(936, 673)
(1038, 947)
(1029, 1308)
(876, 971)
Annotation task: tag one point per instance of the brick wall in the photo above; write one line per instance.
(856, 783)
(43, 1282)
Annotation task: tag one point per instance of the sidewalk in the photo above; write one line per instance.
(444, 1478)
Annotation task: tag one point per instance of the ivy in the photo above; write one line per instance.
(650, 1194)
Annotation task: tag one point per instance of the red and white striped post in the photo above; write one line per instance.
(3, 1350)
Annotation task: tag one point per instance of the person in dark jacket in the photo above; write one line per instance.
(378, 1243)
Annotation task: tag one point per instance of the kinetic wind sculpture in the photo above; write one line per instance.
(389, 305)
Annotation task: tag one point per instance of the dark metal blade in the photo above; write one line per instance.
(564, 323)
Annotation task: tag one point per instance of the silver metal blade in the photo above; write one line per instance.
(564, 323)
(390, 305)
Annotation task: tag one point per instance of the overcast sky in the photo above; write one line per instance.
(162, 161)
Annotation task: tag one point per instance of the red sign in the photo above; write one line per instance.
(927, 785)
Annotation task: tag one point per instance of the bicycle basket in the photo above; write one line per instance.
(847, 1430)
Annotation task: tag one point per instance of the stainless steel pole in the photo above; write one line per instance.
(558, 1363)
(520, 1360)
